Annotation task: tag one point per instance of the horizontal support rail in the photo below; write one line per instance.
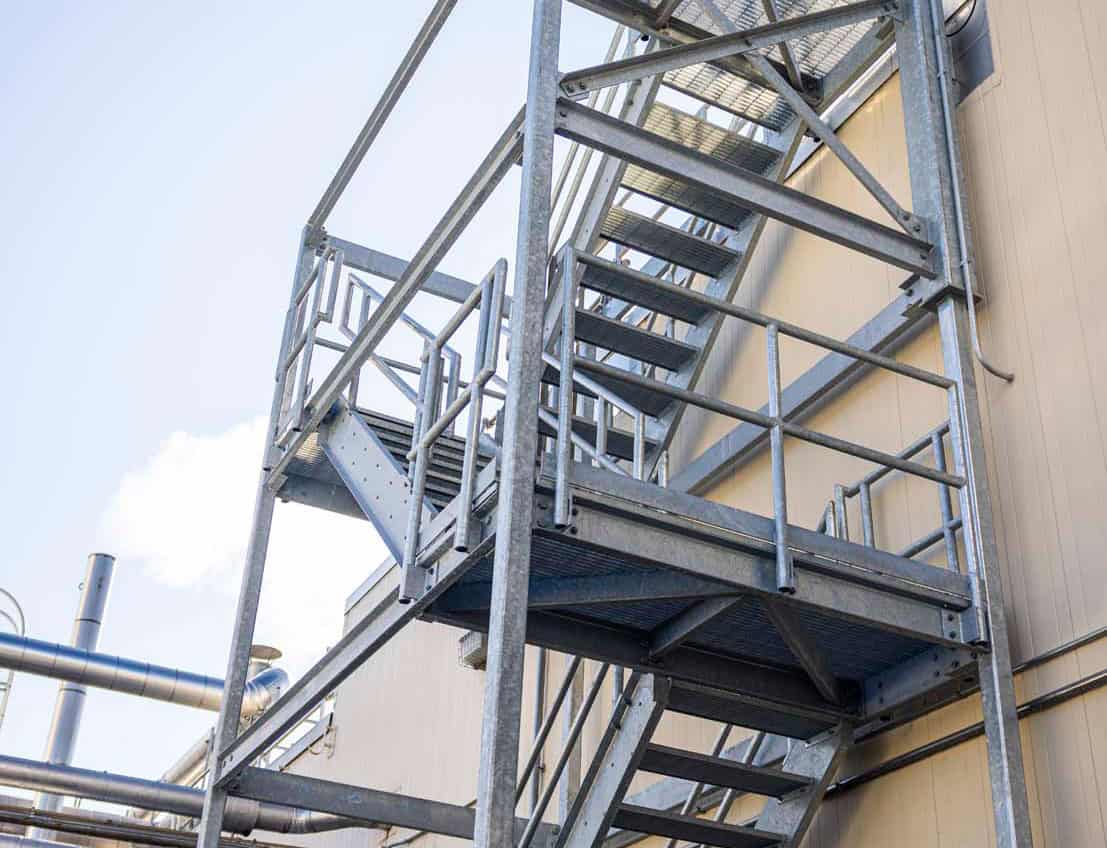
(740, 413)
(579, 82)
(361, 803)
(770, 198)
(377, 118)
(505, 152)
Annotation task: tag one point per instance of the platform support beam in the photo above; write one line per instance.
(499, 755)
(935, 171)
(249, 593)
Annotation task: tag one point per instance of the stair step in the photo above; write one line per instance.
(743, 711)
(723, 90)
(646, 400)
(690, 199)
(632, 341)
(620, 443)
(717, 771)
(701, 135)
(704, 137)
(678, 246)
(691, 829)
(611, 278)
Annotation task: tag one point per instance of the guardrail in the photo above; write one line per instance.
(777, 425)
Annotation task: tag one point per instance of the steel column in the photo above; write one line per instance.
(249, 594)
(935, 172)
(499, 756)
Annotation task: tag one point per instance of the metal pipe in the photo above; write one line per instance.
(242, 816)
(70, 703)
(133, 677)
(963, 247)
(101, 825)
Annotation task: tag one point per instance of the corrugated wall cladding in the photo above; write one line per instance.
(1035, 145)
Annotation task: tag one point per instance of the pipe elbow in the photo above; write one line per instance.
(263, 690)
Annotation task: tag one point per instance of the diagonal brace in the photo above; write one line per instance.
(909, 222)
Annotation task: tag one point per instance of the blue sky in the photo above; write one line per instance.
(159, 160)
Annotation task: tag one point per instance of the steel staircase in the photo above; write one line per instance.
(792, 791)
(555, 527)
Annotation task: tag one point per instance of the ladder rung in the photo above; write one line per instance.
(611, 278)
(717, 771)
(632, 341)
(691, 829)
(657, 239)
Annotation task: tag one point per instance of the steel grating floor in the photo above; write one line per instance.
(854, 651)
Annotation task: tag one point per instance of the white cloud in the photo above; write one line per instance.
(185, 514)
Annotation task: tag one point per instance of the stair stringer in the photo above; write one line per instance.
(372, 475)
(818, 759)
(612, 770)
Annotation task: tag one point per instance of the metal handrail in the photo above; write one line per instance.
(430, 423)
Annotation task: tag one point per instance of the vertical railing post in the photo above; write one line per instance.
(249, 593)
(411, 582)
(476, 409)
(945, 504)
(562, 497)
(602, 418)
(841, 514)
(785, 575)
(868, 532)
(499, 753)
(453, 383)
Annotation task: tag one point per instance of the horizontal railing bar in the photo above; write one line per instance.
(748, 415)
(579, 82)
(913, 449)
(722, 407)
(505, 152)
(377, 118)
(872, 455)
(450, 413)
(787, 329)
(458, 318)
(929, 540)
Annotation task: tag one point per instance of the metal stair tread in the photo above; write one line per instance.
(657, 239)
(650, 402)
(703, 204)
(620, 443)
(632, 286)
(723, 90)
(718, 771)
(711, 139)
(757, 714)
(691, 828)
(634, 342)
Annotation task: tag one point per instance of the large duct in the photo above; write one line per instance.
(243, 815)
(118, 674)
(71, 695)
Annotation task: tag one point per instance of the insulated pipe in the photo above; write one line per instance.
(118, 674)
(243, 815)
(70, 703)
